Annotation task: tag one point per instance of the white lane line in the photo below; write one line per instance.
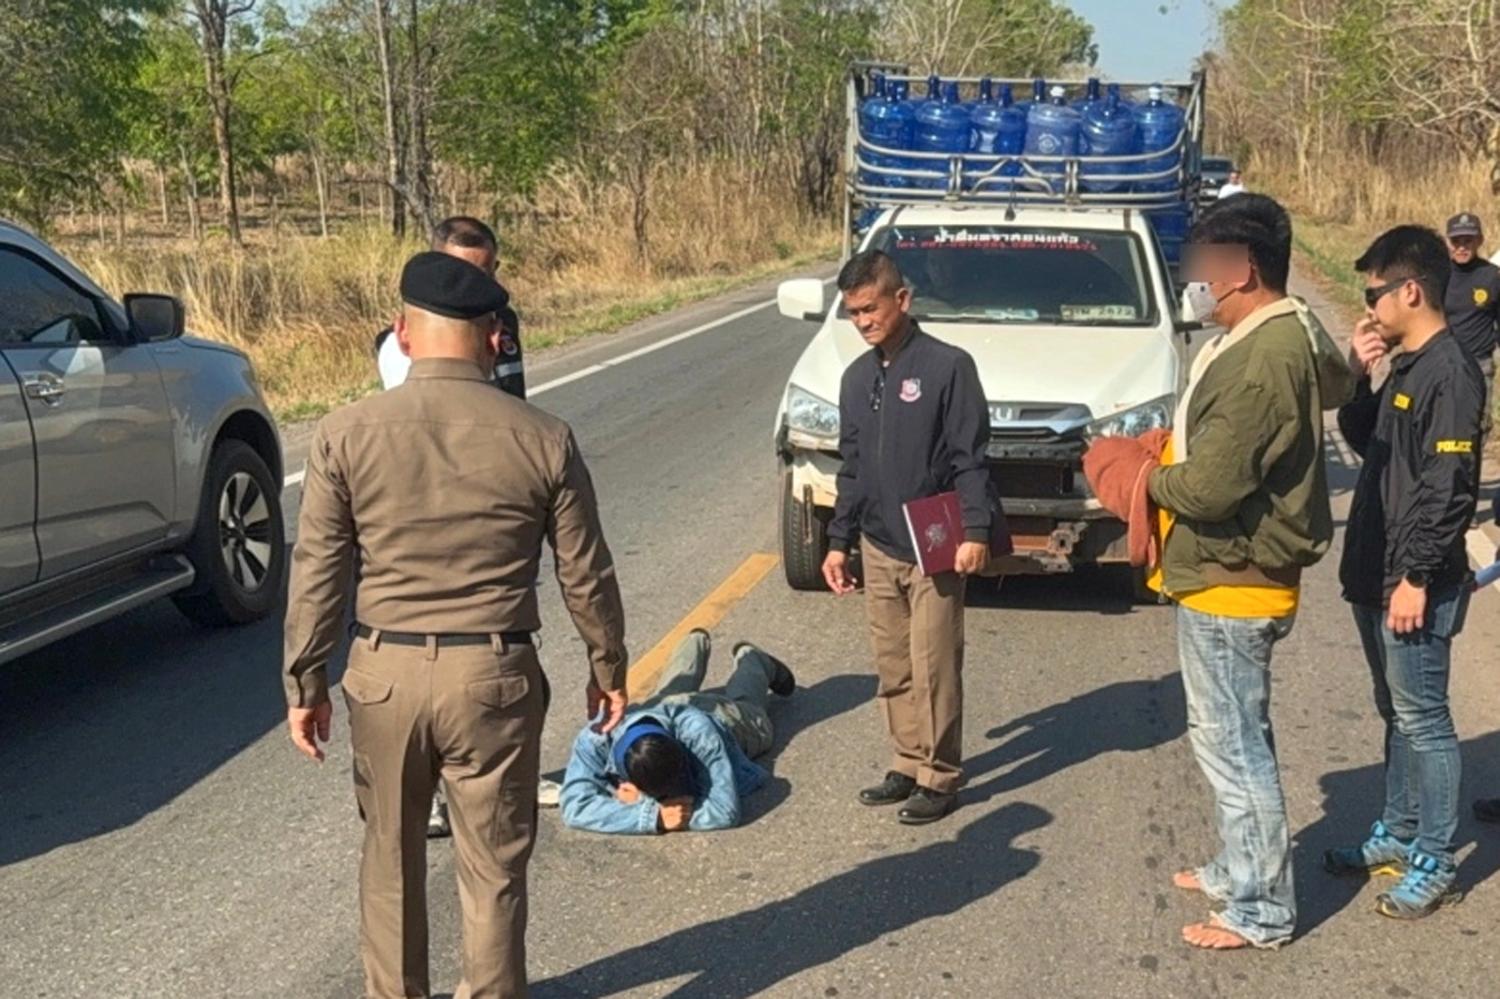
(1346, 453)
(1481, 550)
(295, 478)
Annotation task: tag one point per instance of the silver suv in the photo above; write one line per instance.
(135, 462)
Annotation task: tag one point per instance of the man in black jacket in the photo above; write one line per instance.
(1404, 566)
(913, 423)
(468, 239)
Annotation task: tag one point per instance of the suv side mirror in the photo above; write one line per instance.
(801, 298)
(154, 318)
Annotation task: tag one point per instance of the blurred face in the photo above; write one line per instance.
(1234, 176)
(1224, 268)
(1463, 249)
(878, 314)
(1391, 302)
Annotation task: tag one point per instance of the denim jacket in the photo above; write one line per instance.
(722, 774)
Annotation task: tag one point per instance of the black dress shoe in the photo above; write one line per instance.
(926, 805)
(894, 789)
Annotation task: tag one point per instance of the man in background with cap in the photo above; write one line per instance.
(466, 238)
(443, 679)
(1472, 303)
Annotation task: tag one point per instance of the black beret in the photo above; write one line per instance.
(447, 286)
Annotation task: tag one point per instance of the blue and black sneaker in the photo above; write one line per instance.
(1427, 886)
(1380, 850)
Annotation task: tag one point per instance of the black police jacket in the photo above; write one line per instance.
(906, 432)
(1420, 439)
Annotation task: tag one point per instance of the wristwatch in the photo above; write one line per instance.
(1417, 578)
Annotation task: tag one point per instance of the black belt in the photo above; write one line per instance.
(448, 640)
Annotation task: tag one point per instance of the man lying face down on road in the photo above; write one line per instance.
(683, 759)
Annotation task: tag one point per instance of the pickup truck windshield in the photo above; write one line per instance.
(1001, 274)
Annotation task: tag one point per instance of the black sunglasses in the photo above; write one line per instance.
(1375, 294)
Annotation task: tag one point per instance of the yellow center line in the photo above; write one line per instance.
(646, 671)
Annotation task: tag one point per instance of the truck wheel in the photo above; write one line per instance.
(802, 551)
(238, 547)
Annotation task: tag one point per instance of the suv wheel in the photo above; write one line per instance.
(805, 546)
(238, 545)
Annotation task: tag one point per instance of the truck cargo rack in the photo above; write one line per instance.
(909, 178)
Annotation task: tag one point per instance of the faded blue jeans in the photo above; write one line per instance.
(1421, 747)
(1226, 674)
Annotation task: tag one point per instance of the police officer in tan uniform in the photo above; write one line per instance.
(437, 497)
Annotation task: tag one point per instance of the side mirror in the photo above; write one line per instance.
(154, 318)
(801, 298)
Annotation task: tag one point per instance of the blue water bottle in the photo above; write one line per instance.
(1107, 129)
(942, 127)
(1052, 130)
(1161, 123)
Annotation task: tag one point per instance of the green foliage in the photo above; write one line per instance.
(67, 94)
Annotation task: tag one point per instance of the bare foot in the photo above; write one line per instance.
(1187, 881)
(1212, 935)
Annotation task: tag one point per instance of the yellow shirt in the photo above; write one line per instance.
(1222, 601)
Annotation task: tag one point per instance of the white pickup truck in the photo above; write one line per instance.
(1071, 318)
(1055, 272)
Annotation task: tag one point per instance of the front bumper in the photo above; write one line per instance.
(1056, 525)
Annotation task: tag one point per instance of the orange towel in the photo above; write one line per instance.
(1117, 470)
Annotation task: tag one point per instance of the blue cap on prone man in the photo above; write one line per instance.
(683, 759)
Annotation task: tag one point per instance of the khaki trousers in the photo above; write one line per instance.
(917, 630)
(472, 714)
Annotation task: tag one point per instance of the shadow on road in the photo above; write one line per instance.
(1125, 717)
(751, 951)
(1352, 800)
(102, 729)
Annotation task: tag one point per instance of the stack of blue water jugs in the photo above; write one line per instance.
(1097, 124)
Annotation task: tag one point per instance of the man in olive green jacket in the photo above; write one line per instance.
(1247, 497)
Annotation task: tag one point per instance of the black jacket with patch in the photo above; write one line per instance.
(1419, 437)
(909, 430)
(510, 367)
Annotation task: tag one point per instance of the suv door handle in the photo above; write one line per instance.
(46, 387)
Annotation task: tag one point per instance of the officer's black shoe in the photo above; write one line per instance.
(783, 683)
(926, 805)
(895, 788)
(1487, 809)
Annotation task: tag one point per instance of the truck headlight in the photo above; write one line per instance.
(810, 415)
(1154, 415)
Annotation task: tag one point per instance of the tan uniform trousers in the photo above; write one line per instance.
(917, 629)
(472, 714)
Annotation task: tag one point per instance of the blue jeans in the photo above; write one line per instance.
(1226, 675)
(1421, 746)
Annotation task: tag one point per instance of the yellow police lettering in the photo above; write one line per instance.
(1402, 401)
(1455, 447)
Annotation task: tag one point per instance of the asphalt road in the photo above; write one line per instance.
(160, 838)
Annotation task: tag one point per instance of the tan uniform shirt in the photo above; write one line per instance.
(444, 489)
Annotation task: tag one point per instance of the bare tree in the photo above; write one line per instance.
(215, 18)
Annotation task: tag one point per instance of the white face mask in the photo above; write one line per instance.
(1198, 302)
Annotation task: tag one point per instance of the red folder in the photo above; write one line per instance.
(936, 525)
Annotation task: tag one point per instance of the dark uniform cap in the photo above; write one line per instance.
(1464, 224)
(447, 286)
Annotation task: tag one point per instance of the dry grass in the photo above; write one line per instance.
(307, 309)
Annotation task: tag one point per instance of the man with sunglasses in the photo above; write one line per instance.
(1405, 568)
(913, 423)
